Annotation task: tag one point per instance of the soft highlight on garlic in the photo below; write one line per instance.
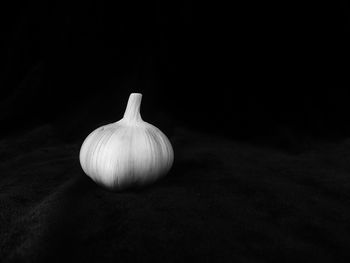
(127, 153)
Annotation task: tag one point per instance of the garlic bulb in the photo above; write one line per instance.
(127, 153)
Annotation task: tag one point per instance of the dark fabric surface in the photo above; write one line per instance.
(223, 201)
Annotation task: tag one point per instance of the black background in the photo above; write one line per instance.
(213, 75)
(239, 70)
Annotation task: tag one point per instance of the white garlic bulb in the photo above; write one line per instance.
(127, 153)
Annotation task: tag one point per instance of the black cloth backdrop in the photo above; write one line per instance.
(245, 68)
(253, 96)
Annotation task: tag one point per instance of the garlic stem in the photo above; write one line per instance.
(132, 112)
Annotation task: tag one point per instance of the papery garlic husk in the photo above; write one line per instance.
(127, 153)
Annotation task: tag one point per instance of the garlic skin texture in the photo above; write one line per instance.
(127, 153)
